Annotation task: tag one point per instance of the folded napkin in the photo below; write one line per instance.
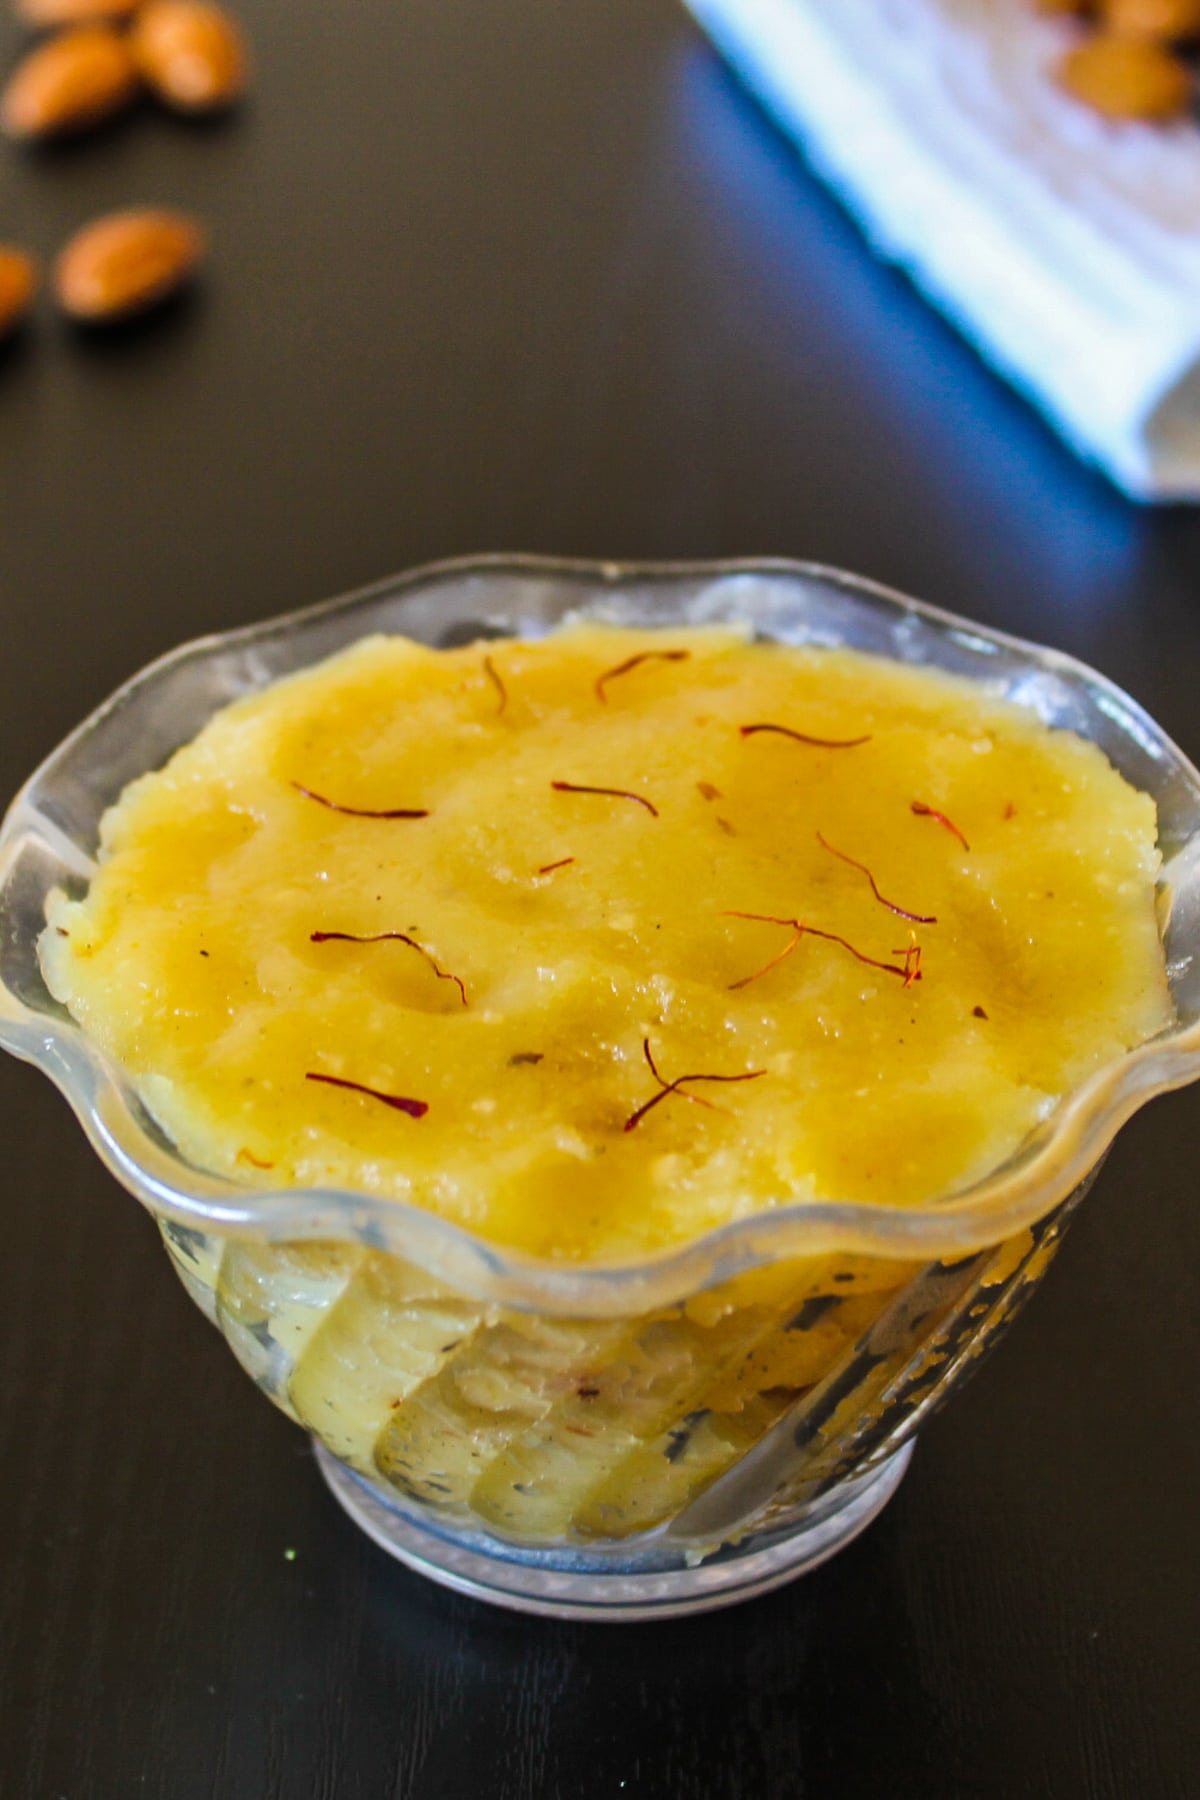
(1065, 247)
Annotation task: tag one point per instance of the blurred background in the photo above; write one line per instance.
(536, 278)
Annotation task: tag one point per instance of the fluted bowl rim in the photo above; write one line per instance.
(48, 835)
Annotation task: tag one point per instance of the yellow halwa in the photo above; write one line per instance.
(537, 945)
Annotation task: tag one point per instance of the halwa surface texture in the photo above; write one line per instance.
(593, 943)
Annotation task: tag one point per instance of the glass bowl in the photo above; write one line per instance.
(608, 1442)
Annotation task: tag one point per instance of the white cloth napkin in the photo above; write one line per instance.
(1066, 248)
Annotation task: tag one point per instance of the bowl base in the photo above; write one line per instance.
(595, 1585)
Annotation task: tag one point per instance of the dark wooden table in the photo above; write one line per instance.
(522, 274)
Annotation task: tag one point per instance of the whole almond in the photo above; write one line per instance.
(18, 285)
(125, 262)
(1172, 21)
(69, 82)
(191, 53)
(75, 12)
(1127, 78)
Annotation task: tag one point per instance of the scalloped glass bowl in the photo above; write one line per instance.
(605, 1442)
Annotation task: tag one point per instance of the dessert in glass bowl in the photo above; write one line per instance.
(608, 1047)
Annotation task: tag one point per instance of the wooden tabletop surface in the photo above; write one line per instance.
(530, 275)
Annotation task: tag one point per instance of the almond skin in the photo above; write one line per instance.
(18, 285)
(68, 83)
(1128, 78)
(75, 12)
(191, 53)
(126, 262)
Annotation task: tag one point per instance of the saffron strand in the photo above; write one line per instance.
(635, 662)
(667, 1088)
(397, 937)
(573, 787)
(802, 928)
(767, 966)
(902, 911)
(912, 959)
(490, 670)
(928, 812)
(802, 737)
(416, 1109)
(361, 812)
